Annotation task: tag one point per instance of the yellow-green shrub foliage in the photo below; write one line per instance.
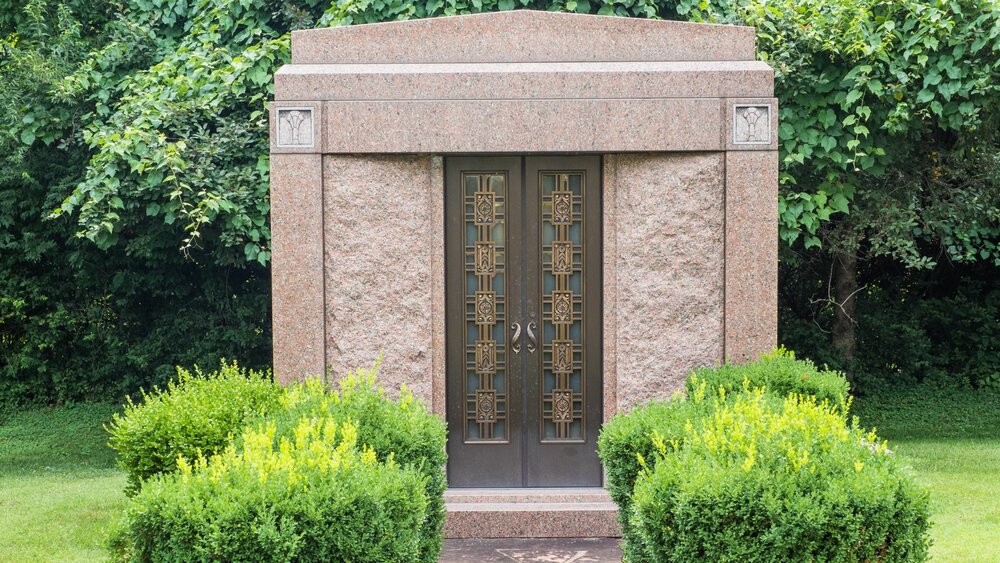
(310, 496)
(625, 444)
(401, 429)
(779, 372)
(198, 413)
(763, 479)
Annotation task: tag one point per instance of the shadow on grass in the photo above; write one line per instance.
(60, 489)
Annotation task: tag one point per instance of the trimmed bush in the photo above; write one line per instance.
(767, 480)
(197, 414)
(626, 445)
(311, 496)
(778, 372)
(401, 430)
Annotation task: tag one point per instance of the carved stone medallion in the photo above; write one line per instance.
(295, 127)
(751, 125)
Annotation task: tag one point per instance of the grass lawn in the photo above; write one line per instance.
(59, 486)
(60, 490)
(952, 441)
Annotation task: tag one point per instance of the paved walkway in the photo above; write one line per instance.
(559, 550)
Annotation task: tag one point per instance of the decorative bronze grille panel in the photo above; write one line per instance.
(485, 297)
(562, 378)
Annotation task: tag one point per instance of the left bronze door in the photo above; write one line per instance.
(484, 386)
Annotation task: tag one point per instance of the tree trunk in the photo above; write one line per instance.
(845, 284)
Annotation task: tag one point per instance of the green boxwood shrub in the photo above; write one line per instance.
(626, 444)
(761, 480)
(401, 430)
(197, 414)
(310, 496)
(779, 372)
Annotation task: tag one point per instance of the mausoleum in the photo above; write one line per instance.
(540, 219)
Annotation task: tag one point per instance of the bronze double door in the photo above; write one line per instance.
(523, 321)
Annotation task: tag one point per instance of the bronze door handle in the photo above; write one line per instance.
(531, 337)
(515, 341)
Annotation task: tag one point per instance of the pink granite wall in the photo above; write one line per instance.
(664, 272)
(383, 248)
(751, 253)
(297, 265)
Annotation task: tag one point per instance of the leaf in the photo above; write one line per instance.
(27, 136)
(839, 203)
(827, 117)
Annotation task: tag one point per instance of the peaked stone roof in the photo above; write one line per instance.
(523, 36)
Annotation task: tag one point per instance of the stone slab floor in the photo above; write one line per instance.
(547, 550)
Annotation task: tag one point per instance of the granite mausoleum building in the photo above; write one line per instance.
(542, 219)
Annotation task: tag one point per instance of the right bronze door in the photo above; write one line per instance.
(533, 423)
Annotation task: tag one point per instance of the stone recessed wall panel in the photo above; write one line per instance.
(380, 245)
(667, 260)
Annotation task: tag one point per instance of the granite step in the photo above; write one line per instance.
(530, 513)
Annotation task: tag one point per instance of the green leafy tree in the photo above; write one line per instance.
(135, 156)
(77, 321)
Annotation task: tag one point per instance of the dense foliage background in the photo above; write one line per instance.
(134, 199)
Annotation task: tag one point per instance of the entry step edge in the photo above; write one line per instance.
(531, 506)
(527, 495)
(583, 512)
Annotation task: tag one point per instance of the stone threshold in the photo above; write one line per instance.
(577, 512)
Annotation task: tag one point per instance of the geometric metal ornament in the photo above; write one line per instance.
(485, 378)
(486, 357)
(563, 378)
(486, 308)
(562, 356)
(562, 307)
(486, 403)
(562, 405)
(485, 257)
(562, 208)
(562, 257)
